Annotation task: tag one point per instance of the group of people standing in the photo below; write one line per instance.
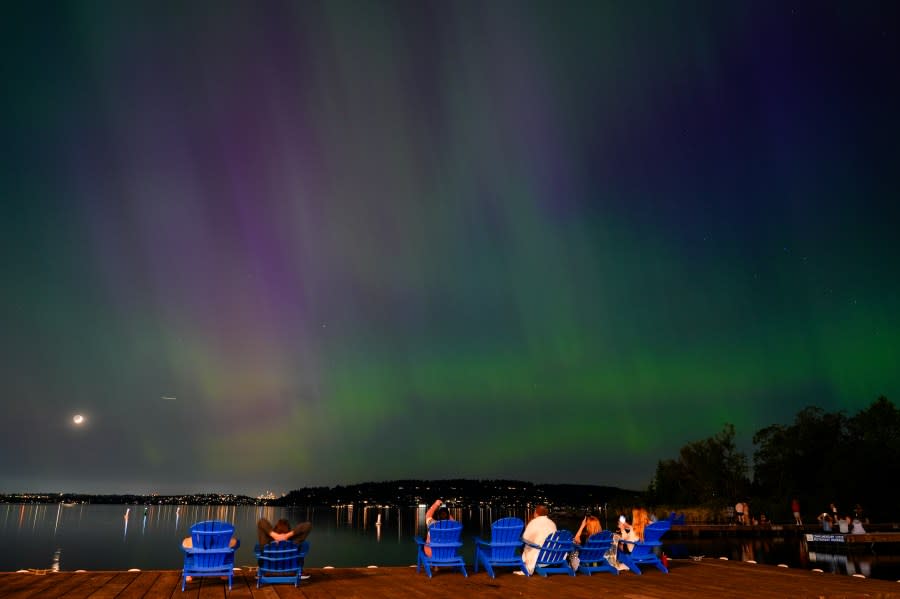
(833, 521)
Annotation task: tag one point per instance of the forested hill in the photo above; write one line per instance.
(459, 491)
(456, 492)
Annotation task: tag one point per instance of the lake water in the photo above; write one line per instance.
(119, 537)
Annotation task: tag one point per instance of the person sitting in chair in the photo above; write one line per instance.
(282, 531)
(539, 528)
(589, 527)
(187, 543)
(434, 514)
(626, 533)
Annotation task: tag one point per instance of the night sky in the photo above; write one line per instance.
(267, 245)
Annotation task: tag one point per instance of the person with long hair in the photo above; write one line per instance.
(590, 525)
(640, 518)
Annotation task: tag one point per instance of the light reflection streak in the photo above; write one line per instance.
(330, 528)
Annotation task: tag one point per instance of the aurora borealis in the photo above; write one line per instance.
(281, 244)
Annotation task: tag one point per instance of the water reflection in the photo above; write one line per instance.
(841, 563)
(36, 536)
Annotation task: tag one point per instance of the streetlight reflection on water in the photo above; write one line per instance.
(80, 536)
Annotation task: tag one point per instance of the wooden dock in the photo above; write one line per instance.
(883, 533)
(849, 539)
(687, 579)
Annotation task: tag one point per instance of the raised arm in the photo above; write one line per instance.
(577, 537)
(434, 506)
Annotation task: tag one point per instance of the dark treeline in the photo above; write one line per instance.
(466, 492)
(820, 458)
(459, 492)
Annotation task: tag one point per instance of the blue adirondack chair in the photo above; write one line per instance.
(280, 562)
(553, 556)
(644, 552)
(676, 518)
(504, 547)
(592, 556)
(210, 554)
(443, 539)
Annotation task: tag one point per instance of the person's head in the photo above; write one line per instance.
(282, 526)
(540, 510)
(592, 525)
(443, 513)
(623, 520)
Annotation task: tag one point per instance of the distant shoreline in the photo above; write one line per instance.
(401, 493)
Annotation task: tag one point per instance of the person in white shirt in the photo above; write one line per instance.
(539, 528)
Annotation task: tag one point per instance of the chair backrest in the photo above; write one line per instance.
(678, 518)
(281, 557)
(601, 539)
(444, 539)
(556, 547)
(652, 534)
(211, 534)
(654, 531)
(594, 550)
(506, 538)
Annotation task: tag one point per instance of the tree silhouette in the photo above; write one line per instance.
(819, 458)
(710, 471)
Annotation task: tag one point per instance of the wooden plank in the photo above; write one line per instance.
(139, 586)
(166, 585)
(23, 586)
(240, 588)
(88, 583)
(312, 588)
(687, 580)
(213, 587)
(113, 587)
(17, 584)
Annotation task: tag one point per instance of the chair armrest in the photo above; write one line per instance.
(193, 551)
(530, 544)
(419, 540)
